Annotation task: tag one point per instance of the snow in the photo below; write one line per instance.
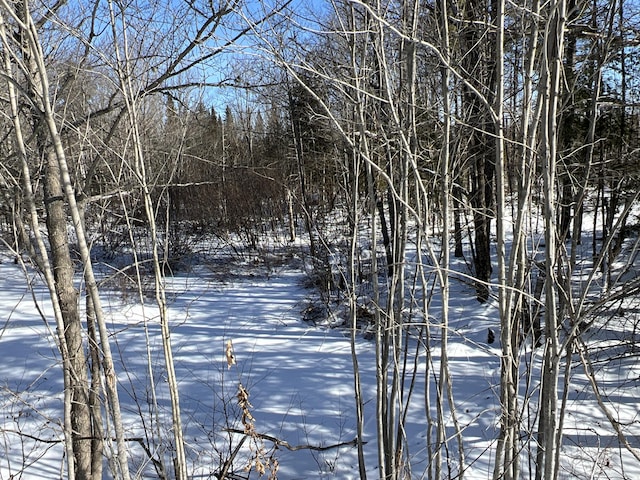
(299, 377)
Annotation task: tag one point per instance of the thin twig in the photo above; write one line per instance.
(293, 448)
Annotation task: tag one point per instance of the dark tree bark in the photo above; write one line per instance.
(94, 392)
(68, 297)
(568, 133)
(458, 213)
(479, 65)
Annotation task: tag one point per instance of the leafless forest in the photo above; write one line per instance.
(405, 145)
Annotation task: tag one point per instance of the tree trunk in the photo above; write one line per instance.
(61, 261)
(480, 73)
(458, 215)
(68, 297)
(445, 381)
(97, 442)
(548, 426)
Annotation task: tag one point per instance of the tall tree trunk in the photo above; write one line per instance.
(77, 397)
(124, 71)
(547, 467)
(40, 252)
(458, 215)
(62, 184)
(568, 132)
(445, 382)
(480, 74)
(507, 460)
(353, 282)
(307, 211)
(516, 315)
(97, 442)
(68, 296)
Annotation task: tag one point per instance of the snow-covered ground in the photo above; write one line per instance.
(299, 377)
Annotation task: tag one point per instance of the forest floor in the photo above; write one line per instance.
(299, 375)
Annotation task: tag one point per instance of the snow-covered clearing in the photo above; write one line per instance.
(299, 377)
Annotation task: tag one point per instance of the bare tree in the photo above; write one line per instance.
(550, 90)
(58, 194)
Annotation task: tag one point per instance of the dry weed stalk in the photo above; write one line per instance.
(231, 358)
(262, 460)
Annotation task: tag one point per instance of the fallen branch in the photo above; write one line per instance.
(293, 448)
